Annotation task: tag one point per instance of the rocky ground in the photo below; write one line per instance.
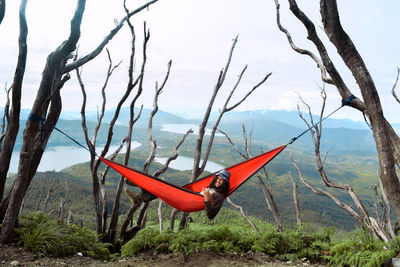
(14, 256)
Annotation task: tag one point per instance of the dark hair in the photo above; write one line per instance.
(223, 189)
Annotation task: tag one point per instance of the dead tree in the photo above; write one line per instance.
(199, 167)
(44, 112)
(361, 215)
(99, 192)
(125, 233)
(386, 139)
(132, 120)
(50, 191)
(41, 193)
(267, 190)
(63, 200)
(296, 200)
(12, 116)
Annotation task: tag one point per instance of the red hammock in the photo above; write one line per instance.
(187, 198)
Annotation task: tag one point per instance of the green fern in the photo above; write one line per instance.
(39, 233)
(362, 249)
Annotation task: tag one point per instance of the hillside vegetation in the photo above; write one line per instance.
(351, 159)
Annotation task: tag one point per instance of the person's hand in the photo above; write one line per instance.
(206, 194)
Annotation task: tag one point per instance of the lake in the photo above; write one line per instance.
(183, 128)
(60, 157)
(186, 163)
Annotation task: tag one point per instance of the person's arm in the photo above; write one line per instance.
(213, 204)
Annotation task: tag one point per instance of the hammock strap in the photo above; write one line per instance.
(345, 102)
(35, 118)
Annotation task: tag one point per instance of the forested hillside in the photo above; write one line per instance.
(351, 159)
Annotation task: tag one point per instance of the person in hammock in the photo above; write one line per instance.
(215, 194)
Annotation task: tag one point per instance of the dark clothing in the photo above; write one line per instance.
(213, 206)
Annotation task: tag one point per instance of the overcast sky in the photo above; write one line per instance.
(197, 36)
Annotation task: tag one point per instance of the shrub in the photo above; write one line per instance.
(362, 249)
(148, 238)
(39, 233)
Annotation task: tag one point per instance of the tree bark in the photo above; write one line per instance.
(387, 141)
(296, 201)
(381, 133)
(38, 131)
(13, 121)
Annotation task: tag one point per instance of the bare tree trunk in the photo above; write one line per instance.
(41, 193)
(296, 201)
(132, 121)
(172, 219)
(13, 119)
(50, 191)
(355, 63)
(388, 221)
(44, 113)
(160, 218)
(140, 224)
(35, 137)
(64, 200)
(387, 141)
(129, 216)
(71, 218)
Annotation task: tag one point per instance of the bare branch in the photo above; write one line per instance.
(346, 207)
(248, 93)
(173, 156)
(110, 70)
(83, 108)
(76, 64)
(243, 214)
(267, 191)
(317, 60)
(112, 157)
(223, 111)
(233, 144)
(153, 145)
(197, 169)
(394, 86)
